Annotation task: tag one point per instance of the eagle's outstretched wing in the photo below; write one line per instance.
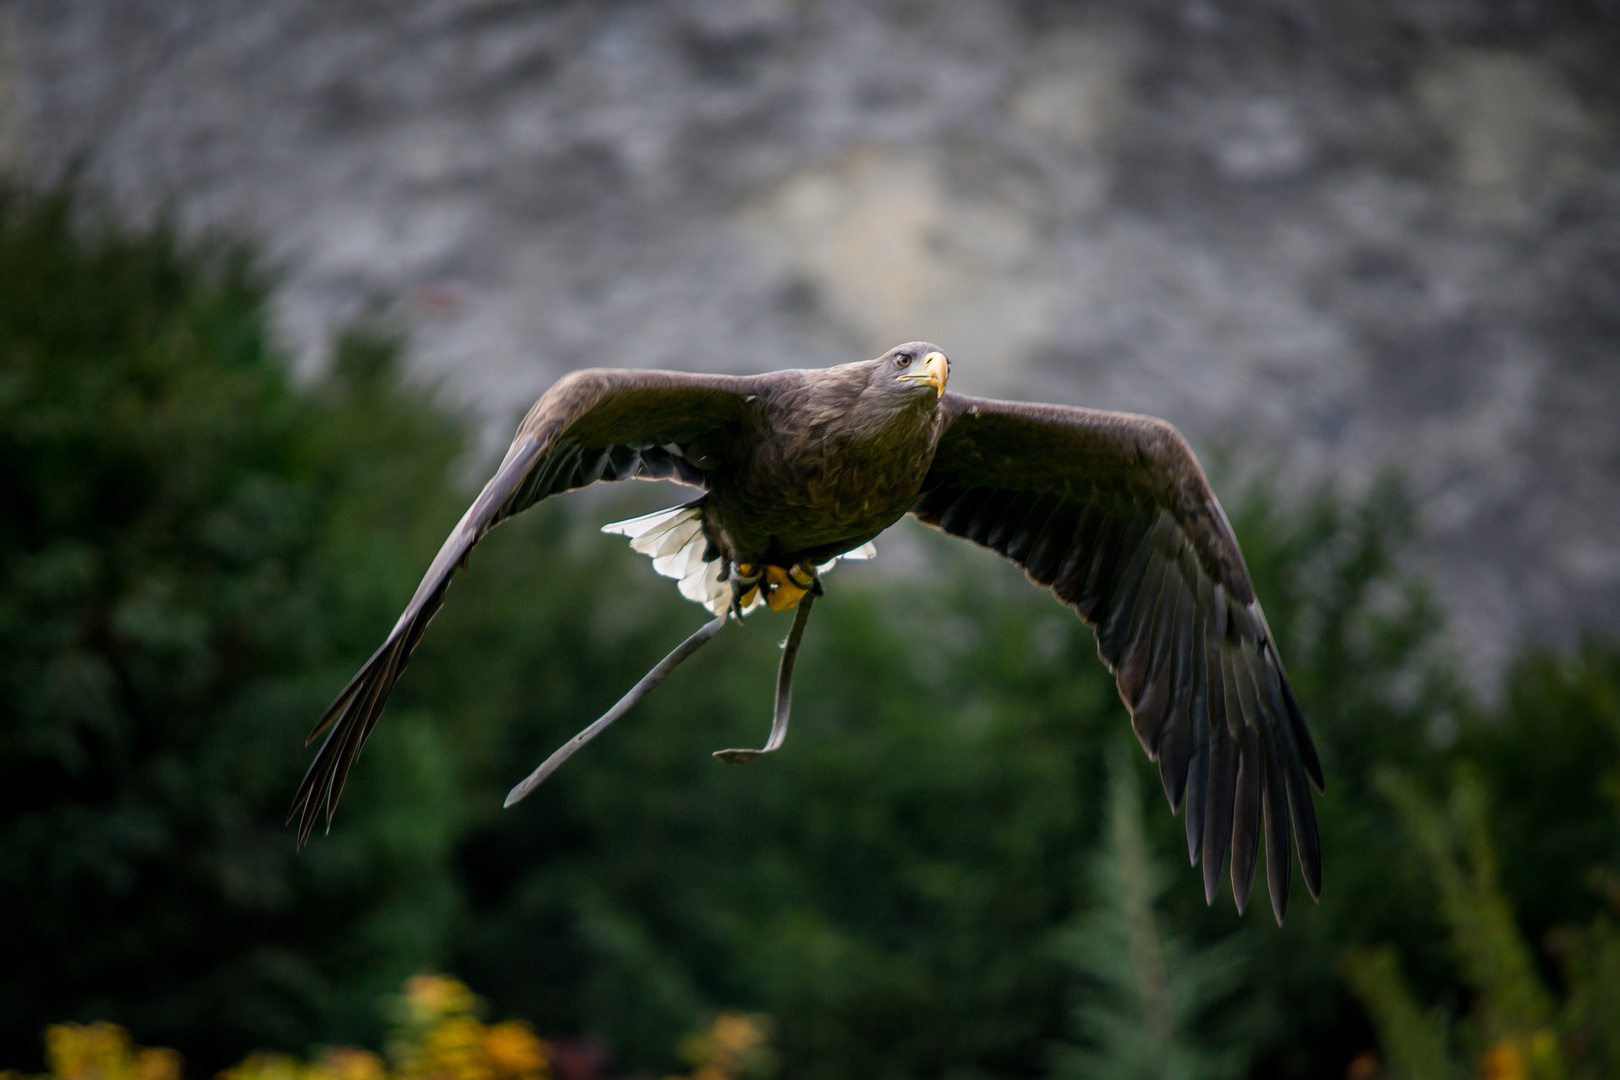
(1112, 513)
(592, 425)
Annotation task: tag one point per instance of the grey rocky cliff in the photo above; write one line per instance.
(1329, 238)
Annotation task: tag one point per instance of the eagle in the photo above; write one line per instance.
(797, 469)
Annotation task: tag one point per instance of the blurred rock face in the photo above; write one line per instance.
(1328, 239)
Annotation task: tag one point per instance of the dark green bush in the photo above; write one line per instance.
(192, 550)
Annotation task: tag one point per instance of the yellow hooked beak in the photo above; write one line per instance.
(936, 369)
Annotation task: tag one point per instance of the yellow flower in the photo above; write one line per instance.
(347, 1063)
(514, 1051)
(87, 1051)
(157, 1063)
(736, 1034)
(734, 1044)
(264, 1066)
(438, 1037)
(103, 1051)
(1523, 1058)
(434, 997)
(1503, 1061)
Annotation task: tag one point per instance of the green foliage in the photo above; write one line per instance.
(192, 550)
(197, 553)
(1147, 993)
(1494, 959)
(1360, 638)
(1416, 1041)
(1550, 758)
(884, 887)
(1514, 1026)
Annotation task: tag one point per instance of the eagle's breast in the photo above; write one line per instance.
(836, 469)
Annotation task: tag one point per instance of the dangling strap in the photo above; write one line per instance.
(637, 692)
(784, 689)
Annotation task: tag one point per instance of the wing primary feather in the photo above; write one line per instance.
(1246, 804)
(1093, 556)
(934, 501)
(1089, 531)
(1011, 519)
(330, 769)
(1177, 742)
(1160, 618)
(1054, 542)
(1136, 543)
(1198, 719)
(560, 459)
(1273, 795)
(1150, 710)
(352, 737)
(323, 780)
(1279, 867)
(1302, 734)
(688, 473)
(961, 511)
(623, 462)
(1115, 573)
(1306, 839)
(547, 457)
(1020, 543)
(987, 516)
(1118, 586)
(593, 468)
(341, 702)
(1135, 667)
(655, 464)
(1147, 719)
(1223, 766)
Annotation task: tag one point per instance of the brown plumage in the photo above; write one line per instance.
(1108, 510)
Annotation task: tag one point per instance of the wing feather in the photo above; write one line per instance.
(1177, 742)
(1056, 540)
(591, 426)
(1112, 513)
(1198, 722)
(1222, 789)
(1019, 543)
(987, 516)
(1010, 523)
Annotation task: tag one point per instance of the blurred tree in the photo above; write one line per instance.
(1363, 641)
(196, 553)
(1515, 1024)
(1146, 995)
(887, 887)
(192, 551)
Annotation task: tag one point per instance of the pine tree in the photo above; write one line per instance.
(1146, 993)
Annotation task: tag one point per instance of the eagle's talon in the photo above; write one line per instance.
(745, 586)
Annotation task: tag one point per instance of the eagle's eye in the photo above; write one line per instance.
(902, 360)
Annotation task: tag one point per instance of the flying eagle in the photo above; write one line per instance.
(799, 468)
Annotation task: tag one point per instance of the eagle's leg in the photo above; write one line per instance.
(784, 684)
(637, 692)
(784, 585)
(745, 583)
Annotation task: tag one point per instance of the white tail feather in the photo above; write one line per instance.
(675, 541)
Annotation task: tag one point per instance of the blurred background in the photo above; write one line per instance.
(277, 280)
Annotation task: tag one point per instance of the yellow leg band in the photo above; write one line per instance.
(784, 592)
